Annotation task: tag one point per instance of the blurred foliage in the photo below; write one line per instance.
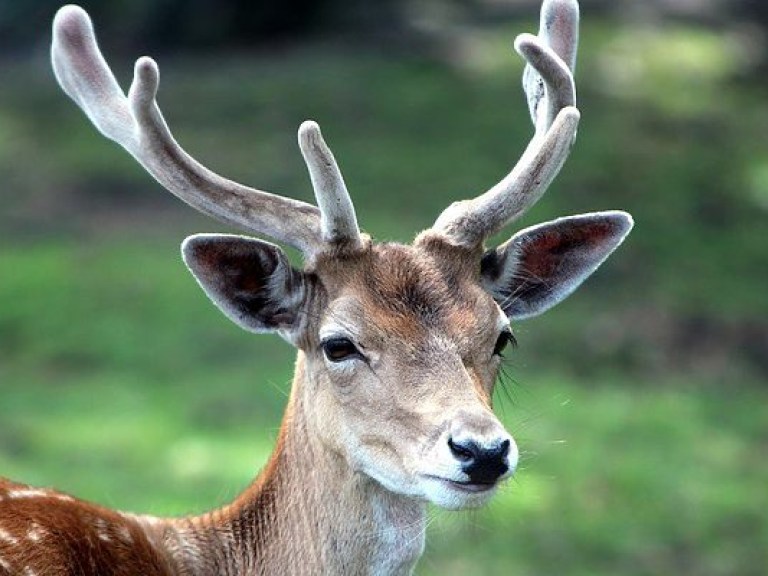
(220, 25)
(639, 403)
(207, 24)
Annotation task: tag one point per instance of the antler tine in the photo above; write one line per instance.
(136, 123)
(547, 79)
(338, 221)
(559, 34)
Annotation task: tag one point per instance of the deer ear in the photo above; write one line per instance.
(542, 265)
(250, 280)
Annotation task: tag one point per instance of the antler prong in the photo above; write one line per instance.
(143, 91)
(559, 33)
(547, 78)
(559, 28)
(84, 75)
(338, 220)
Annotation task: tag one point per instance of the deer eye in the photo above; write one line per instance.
(505, 339)
(340, 349)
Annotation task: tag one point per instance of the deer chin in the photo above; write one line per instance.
(443, 491)
(454, 494)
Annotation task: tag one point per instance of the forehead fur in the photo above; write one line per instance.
(406, 289)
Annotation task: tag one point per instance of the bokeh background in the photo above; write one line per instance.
(640, 404)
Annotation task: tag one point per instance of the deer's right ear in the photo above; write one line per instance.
(250, 280)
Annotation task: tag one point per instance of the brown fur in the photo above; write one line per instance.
(51, 534)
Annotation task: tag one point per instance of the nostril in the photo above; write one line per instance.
(483, 464)
(463, 452)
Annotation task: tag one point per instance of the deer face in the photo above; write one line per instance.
(403, 359)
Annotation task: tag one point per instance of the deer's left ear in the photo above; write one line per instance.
(542, 265)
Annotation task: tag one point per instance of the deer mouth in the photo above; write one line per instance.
(466, 487)
(472, 487)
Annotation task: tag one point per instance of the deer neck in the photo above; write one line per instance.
(308, 512)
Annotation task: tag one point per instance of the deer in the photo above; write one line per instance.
(398, 346)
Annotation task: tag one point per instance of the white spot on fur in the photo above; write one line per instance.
(35, 532)
(102, 530)
(27, 493)
(29, 572)
(5, 565)
(7, 537)
(124, 534)
(62, 497)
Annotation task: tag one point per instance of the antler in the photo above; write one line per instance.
(136, 123)
(551, 92)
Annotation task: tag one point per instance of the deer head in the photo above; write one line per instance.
(399, 345)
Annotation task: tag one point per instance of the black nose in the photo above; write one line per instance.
(482, 464)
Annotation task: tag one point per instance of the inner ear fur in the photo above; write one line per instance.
(250, 280)
(542, 265)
